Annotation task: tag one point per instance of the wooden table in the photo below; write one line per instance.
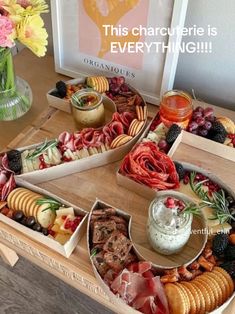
(81, 188)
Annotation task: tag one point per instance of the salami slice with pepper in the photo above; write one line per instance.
(147, 165)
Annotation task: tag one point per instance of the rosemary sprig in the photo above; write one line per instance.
(52, 204)
(94, 251)
(40, 149)
(192, 208)
(217, 201)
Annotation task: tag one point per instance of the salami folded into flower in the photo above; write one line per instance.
(147, 165)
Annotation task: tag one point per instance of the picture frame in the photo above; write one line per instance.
(76, 39)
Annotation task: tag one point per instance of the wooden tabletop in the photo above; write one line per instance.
(80, 188)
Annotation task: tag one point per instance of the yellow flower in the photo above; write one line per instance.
(14, 9)
(33, 6)
(32, 34)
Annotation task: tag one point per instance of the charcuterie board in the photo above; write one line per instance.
(77, 188)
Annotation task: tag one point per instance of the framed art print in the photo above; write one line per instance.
(119, 38)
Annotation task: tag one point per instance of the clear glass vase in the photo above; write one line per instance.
(15, 93)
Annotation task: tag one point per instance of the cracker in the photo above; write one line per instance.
(210, 292)
(176, 299)
(183, 289)
(226, 283)
(221, 284)
(217, 289)
(201, 297)
(192, 299)
(195, 294)
(227, 277)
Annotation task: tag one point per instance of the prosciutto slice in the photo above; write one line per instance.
(7, 179)
(144, 293)
(147, 165)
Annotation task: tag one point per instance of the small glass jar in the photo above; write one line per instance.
(164, 237)
(87, 114)
(176, 107)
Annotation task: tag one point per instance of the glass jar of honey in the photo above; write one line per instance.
(88, 109)
(176, 108)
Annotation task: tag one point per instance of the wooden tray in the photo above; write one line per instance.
(80, 188)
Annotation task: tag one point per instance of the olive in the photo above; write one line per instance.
(18, 215)
(23, 221)
(45, 231)
(37, 227)
(230, 201)
(30, 221)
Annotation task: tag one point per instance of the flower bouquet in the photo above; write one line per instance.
(20, 21)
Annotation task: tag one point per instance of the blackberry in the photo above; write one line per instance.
(13, 154)
(220, 243)
(15, 165)
(219, 138)
(180, 170)
(55, 93)
(229, 253)
(229, 267)
(218, 127)
(172, 134)
(61, 88)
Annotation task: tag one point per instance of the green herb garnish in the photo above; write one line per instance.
(40, 149)
(52, 204)
(94, 251)
(193, 209)
(217, 201)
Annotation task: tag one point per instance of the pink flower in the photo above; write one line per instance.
(24, 3)
(6, 30)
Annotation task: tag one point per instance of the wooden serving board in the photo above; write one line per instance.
(82, 190)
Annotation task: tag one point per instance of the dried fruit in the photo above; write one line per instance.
(229, 253)
(180, 170)
(173, 133)
(61, 88)
(232, 239)
(229, 267)
(220, 243)
(219, 138)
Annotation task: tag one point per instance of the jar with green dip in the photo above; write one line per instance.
(88, 109)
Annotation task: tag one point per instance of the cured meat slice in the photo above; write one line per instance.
(145, 164)
(116, 128)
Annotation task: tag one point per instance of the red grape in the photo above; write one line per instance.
(208, 112)
(124, 88)
(199, 109)
(200, 121)
(193, 125)
(207, 125)
(197, 114)
(194, 132)
(120, 80)
(210, 118)
(162, 145)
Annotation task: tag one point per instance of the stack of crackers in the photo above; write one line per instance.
(201, 295)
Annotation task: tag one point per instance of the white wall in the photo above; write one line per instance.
(212, 76)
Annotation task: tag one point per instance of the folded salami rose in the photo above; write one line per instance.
(147, 165)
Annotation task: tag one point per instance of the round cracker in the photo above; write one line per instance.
(205, 293)
(221, 284)
(19, 199)
(188, 304)
(14, 195)
(195, 294)
(210, 292)
(106, 83)
(226, 284)
(176, 299)
(24, 201)
(192, 300)
(227, 277)
(217, 289)
(201, 297)
(9, 198)
(31, 203)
